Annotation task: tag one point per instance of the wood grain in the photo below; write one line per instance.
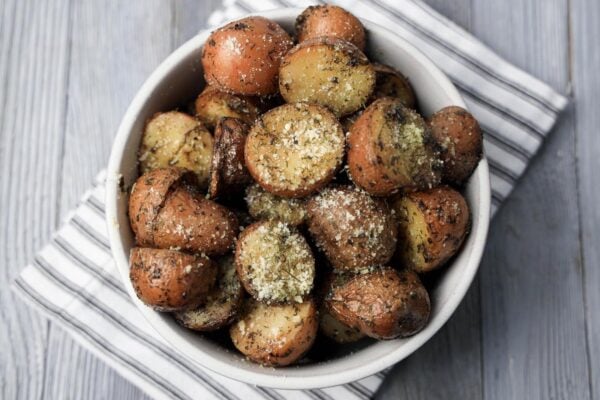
(531, 289)
(585, 64)
(34, 40)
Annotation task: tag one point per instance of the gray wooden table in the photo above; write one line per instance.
(529, 327)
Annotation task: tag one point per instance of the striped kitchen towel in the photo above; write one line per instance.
(74, 281)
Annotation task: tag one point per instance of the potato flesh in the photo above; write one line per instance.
(264, 205)
(213, 104)
(336, 330)
(414, 234)
(327, 75)
(275, 262)
(275, 335)
(176, 139)
(295, 149)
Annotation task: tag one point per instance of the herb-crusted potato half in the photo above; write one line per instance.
(382, 304)
(274, 262)
(222, 303)
(243, 57)
(264, 205)
(433, 226)
(391, 83)
(165, 211)
(354, 230)
(336, 330)
(213, 104)
(295, 149)
(228, 174)
(327, 71)
(461, 141)
(330, 20)
(176, 139)
(390, 147)
(275, 335)
(168, 280)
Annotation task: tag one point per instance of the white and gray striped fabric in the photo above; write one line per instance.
(74, 281)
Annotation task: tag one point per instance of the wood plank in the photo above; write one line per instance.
(116, 47)
(531, 284)
(586, 85)
(451, 360)
(33, 69)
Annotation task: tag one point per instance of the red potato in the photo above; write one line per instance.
(213, 104)
(243, 57)
(330, 20)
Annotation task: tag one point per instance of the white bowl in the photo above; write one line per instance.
(179, 78)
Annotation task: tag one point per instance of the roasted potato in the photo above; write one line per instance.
(176, 139)
(168, 280)
(330, 20)
(244, 56)
(264, 205)
(165, 211)
(433, 226)
(382, 304)
(327, 71)
(275, 335)
(274, 262)
(213, 104)
(222, 304)
(295, 149)
(354, 230)
(228, 174)
(336, 330)
(391, 83)
(390, 148)
(459, 136)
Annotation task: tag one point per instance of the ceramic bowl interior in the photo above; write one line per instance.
(176, 82)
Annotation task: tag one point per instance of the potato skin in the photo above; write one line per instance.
(327, 71)
(354, 230)
(228, 173)
(243, 56)
(275, 335)
(383, 304)
(168, 280)
(222, 303)
(390, 148)
(461, 142)
(176, 139)
(213, 104)
(330, 20)
(433, 226)
(147, 197)
(295, 149)
(391, 83)
(191, 222)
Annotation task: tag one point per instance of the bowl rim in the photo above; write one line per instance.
(224, 368)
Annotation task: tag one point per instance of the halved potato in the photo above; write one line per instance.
(382, 304)
(228, 174)
(330, 20)
(390, 147)
(168, 280)
(295, 149)
(354, 230)
(176, 139)
(275, 335)
(213, 104)
(391, 83)
(327, 71)
(461, 141)
(336, 330)
(264, 205)
(274, 262)
(222, 304)
(244, 56)
(433, 226)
